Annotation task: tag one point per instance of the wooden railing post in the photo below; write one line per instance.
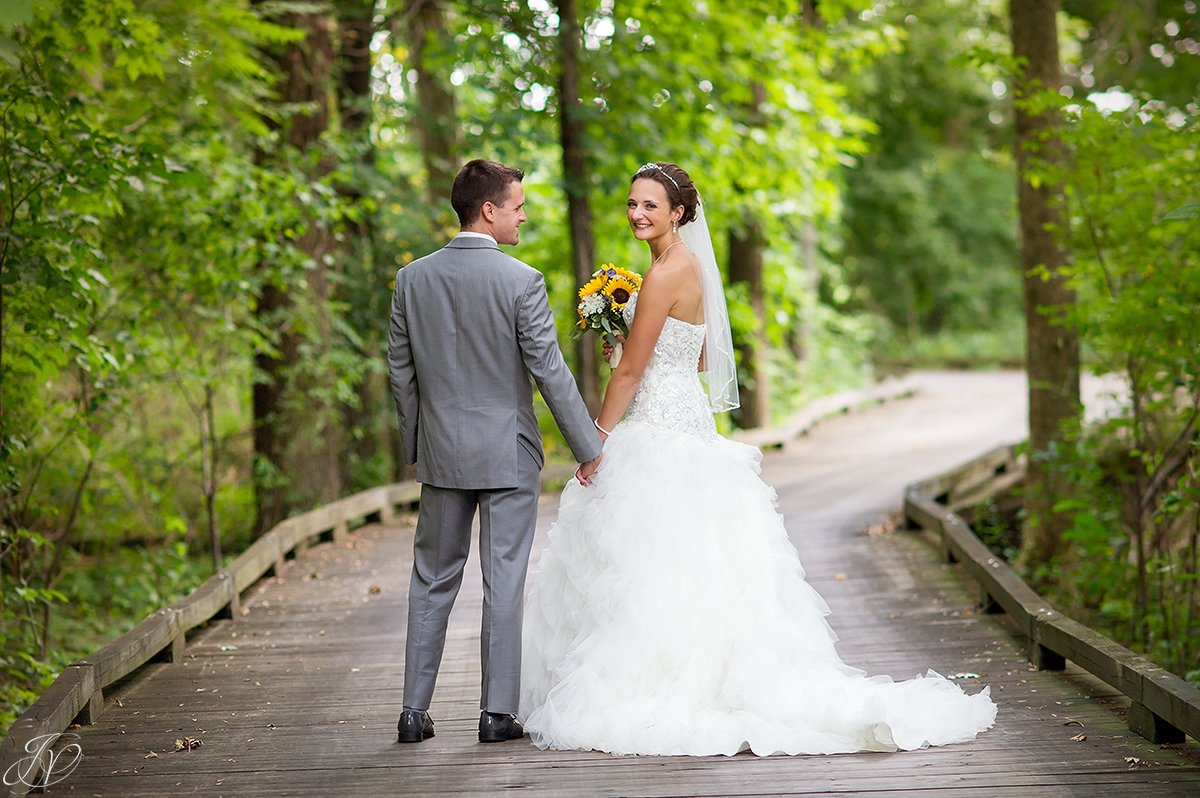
(1153, 727)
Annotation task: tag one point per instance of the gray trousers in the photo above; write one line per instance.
(507, 519)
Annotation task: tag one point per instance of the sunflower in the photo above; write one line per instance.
(619, 289)
(594, 285)
(631, 276)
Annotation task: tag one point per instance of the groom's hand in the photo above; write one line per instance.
(587, 470)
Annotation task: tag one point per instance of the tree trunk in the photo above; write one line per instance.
(1052, 349)
(367, 421)
(208, 472)
(356, 26)
(423, 26)
(298, 441)
(436, 123)
(572, 131)
(746, 266)
(267, 400)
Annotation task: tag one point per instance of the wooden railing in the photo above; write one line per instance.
(1164, 708)
(77, 695)
(825, 407)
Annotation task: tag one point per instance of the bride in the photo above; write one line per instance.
(668, 613)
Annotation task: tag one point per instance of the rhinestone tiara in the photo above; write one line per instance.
(648, 166)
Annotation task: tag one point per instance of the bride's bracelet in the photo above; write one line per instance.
(596, 421)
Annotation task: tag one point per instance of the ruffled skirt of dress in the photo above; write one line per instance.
(669, 614)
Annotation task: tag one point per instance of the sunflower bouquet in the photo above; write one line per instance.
(601, 302)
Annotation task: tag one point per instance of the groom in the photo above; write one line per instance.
(470, 325)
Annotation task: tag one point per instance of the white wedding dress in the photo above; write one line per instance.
(668, 613)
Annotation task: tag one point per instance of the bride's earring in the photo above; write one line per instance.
(674, 226)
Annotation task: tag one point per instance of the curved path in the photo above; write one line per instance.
(300, 695)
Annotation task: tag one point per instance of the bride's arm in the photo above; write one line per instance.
(654, 303)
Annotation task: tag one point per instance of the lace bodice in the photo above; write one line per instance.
(670, 394)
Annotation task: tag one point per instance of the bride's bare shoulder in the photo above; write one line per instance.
(674, 269)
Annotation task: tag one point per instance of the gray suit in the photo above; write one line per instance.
(470, 325)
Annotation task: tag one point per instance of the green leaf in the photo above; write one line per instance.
(1190, 210)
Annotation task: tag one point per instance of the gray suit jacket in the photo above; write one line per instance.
(470, 326)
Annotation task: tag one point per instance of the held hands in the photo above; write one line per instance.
(608, 348)
(587, 470)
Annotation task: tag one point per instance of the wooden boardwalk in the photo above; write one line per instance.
(299, 696)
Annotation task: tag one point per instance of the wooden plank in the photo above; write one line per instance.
(54, 710)
(134, 648)
(261, 556)
(997, 485)
(206, 602)
(315, 522)
(291, 532)
(981, 467)
(980, 472)
(403, 493)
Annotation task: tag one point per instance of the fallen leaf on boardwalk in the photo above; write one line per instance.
(188, 744)
(1133, 762)
(1072, 722)
(152, 755)
(374, 589)
(1079, 737)
(840, 577)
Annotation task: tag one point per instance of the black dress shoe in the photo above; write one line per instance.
(496, 728)
(414, 726)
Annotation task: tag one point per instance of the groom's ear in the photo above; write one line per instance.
(488, 211)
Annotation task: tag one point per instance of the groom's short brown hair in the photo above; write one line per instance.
(481, 181)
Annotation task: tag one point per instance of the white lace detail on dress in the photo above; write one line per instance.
(670, 393)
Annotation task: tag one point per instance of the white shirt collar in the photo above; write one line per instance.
(473, 234)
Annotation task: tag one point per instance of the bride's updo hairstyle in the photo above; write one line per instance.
(680, 190)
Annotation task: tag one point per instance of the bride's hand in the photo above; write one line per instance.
(608, 348)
